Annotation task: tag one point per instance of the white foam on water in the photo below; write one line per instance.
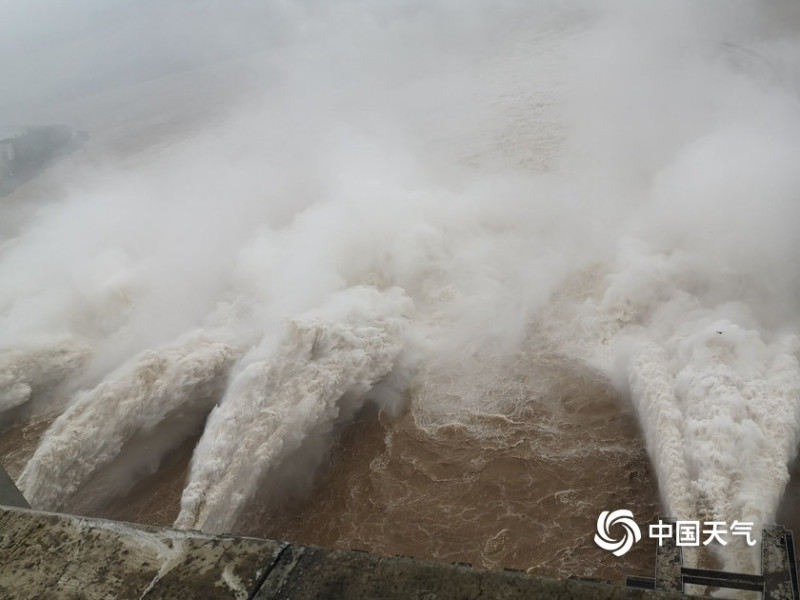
(325, 364)
(29, 371)
(425, 183)
(93, 430)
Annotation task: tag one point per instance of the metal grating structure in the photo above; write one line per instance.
(778, 580)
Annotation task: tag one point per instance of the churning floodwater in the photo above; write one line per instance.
(428, 278)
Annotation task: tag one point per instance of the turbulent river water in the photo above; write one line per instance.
(425, 279)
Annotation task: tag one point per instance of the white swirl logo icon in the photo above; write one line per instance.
(608, 519)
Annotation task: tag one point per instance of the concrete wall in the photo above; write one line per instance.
(45, 555)
(9, 494)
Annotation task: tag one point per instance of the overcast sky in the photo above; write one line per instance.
(51, 50)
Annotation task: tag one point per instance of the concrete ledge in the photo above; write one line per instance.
(305, 572)
(46, 555)
(9, 494)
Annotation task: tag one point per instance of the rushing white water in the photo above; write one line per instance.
(133, 399)
(720, 407)
(24, 372)
(420, 183)
(292, 398)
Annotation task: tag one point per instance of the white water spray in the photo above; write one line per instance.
(134, 399)
(419, 182)
(25, 372)
(319, 376)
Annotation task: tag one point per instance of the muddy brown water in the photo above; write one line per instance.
(517, 482)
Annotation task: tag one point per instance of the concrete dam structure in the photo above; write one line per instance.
(60, 557)
(49, 555)
(439, 281)
(54, 556)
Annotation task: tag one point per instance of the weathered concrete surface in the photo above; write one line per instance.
(305, 572)
(777, 564)
(9, 494)
(45, 555)
(669, 562)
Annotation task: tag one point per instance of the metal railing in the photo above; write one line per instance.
(778, 580)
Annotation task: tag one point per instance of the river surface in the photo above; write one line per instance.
(422, 280)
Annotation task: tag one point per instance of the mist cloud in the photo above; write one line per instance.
(428, 184)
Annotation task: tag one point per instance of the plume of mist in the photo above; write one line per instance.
(286, 398)
(29, 371)
(411, 183)
(135, 398)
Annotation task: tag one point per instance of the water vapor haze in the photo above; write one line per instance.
(291, 210)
